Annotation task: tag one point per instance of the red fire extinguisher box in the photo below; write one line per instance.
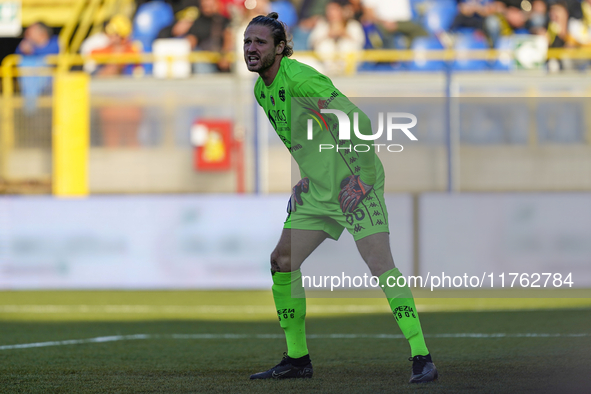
(212, 139)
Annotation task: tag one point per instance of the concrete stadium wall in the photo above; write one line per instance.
(162, 161)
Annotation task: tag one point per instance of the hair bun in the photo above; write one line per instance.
(273, 15)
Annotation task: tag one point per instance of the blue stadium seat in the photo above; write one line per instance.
(465, 43)
(150, 18)
(440, 16)
(465, 30)
(421, 44)
(505, 62)
(373, 37)
(287, 11)
(417, 7)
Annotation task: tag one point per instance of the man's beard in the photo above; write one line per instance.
(265, 63)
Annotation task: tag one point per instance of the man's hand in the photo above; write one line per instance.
(296, 195)
(353, 190)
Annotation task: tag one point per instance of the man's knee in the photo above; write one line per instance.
(280, 261)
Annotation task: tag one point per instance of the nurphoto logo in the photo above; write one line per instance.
(344, 133)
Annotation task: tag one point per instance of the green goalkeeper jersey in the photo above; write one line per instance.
(299, 93)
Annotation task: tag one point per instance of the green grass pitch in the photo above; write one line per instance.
(210, 342)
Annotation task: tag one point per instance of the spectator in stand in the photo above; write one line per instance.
(507, 19)
(355, 8)
(472, 14)
(231, 8)
(213, 34)
(580, 27)
(38, 42)
(182, 26)
(118, 31)
(119, 122)
(393, 17)
(309, 12)
(538, 18)
(558, 34)
(335, 36)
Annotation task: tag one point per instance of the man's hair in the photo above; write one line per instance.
(278, 30)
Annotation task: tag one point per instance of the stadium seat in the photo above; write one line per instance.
(465, 30)
(465, 43)
(287, 11)
(150, 18)
(420, 63)
(417, 7)
(440, 16)
(505, 61)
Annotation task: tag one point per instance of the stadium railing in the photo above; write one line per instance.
(10, 69)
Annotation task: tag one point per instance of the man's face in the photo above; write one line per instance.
(37, 34)
(334, 12)
(259, 48)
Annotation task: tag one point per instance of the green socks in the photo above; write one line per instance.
(290, 302)
(291, 310)
(403, 306)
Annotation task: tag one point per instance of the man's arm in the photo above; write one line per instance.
(321, 87)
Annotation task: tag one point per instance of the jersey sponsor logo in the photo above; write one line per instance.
(322, 104)
(272, 119)
(278, 114)
(282, 94)
(285, 141)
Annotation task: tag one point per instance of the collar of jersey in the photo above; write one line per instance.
(280, 71)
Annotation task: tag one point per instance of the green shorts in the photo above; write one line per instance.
(370, 217)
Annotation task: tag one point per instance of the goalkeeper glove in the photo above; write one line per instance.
(296, 195)
(353, 190)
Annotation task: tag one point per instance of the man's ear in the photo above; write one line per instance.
(279, 48)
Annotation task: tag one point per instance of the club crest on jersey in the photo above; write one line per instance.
(282, 93)
(272, 101)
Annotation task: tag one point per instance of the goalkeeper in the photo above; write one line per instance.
(340, 188)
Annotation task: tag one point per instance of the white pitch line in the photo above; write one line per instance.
(184, 309)
(116, 338)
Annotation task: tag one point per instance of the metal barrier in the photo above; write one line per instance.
(13, 120)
